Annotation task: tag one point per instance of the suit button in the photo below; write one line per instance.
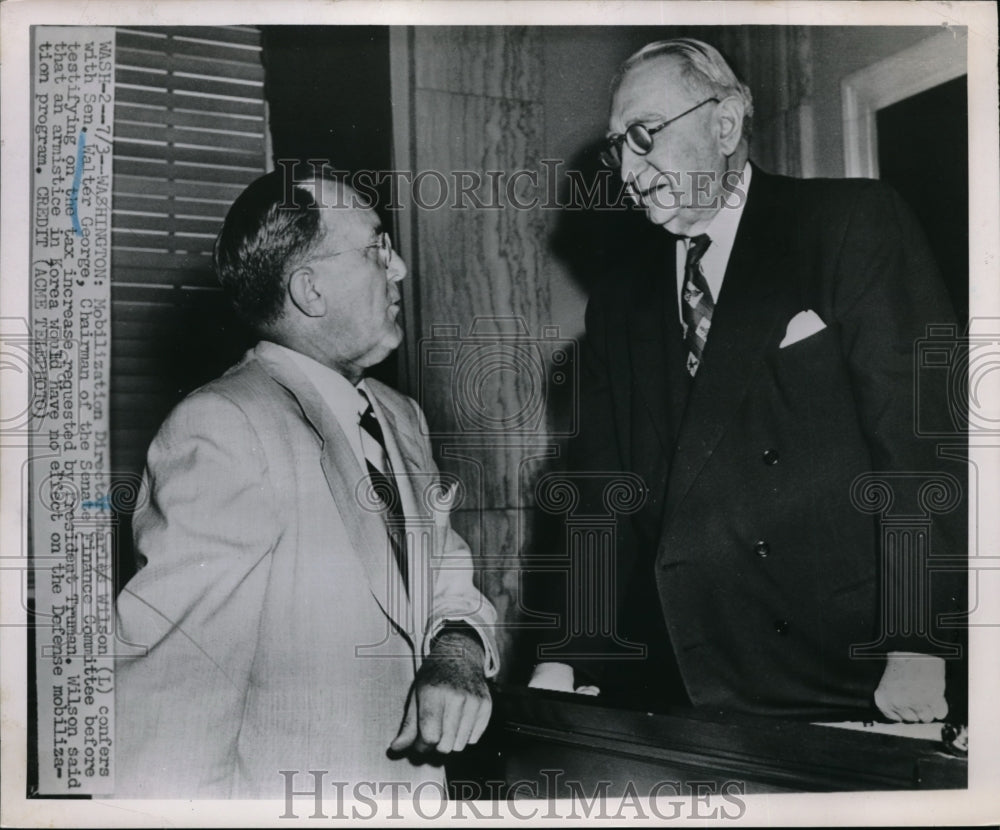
(770, 457)
(781, 626)
(762, 548)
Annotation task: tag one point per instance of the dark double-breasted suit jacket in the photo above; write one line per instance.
(756, 560)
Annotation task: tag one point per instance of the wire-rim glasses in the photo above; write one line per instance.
(639, 138)
(384, 245)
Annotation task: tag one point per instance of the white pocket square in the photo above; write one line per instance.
(802, 325)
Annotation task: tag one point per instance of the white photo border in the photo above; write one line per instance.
(979, 804)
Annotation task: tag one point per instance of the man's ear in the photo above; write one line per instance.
(729, 124)
(304, 293)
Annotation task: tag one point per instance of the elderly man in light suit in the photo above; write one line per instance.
(302, 602)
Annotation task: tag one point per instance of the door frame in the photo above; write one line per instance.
(929, 63)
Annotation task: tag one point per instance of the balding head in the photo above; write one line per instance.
(272, 226)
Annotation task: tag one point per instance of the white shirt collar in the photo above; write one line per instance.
(722, 231)
(338, 393)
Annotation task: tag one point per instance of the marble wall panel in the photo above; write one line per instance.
(495, 61)
(515, 555)
(482, 366)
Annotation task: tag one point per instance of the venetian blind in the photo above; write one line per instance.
(190, 134)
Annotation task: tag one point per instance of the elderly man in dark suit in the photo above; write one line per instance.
(750, 364)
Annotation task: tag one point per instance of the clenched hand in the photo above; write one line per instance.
(912, 688)
(449, 704)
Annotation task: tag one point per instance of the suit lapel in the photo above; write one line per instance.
(412, 481)
(365, 527)
(743, 324)
(399, 443)
(654, 333)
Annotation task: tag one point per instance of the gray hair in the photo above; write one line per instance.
(703, 69)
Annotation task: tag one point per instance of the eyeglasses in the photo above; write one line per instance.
(384, 245)
(639, 138)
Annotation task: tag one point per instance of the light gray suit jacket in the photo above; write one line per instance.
(277, 631)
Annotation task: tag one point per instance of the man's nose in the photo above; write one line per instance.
(632, 165)
(397, 269)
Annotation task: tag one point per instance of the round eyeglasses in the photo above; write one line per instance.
(639, 138)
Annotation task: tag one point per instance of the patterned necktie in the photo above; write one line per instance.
(697, 304)
(383, 481)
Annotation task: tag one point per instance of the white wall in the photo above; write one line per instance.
(837, 52)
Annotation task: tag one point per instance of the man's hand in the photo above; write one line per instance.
(558, 677)
(555, 677)
(912, 688)
(449, 704)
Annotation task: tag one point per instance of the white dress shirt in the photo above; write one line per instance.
(339, 395)
(722, 232)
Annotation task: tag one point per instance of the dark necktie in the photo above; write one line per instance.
(696, 303)
(383, 481)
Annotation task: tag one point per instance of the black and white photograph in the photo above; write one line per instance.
(532, 413)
